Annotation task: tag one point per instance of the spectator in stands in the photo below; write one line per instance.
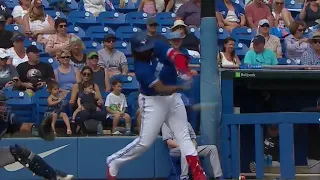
(152, 26)
(189, 12)
(282, 16)
(209, 151)
(6, 12)
(94, 6)
(60, 40)
(148, 6)
(20, 10)
(190, 41)
(310, 12)
(295, 43)
(112, 59)
(5, 35)
(78, 57)
(176, 39)
(257, 11)
(311, 56)
(227, 56)
(100, 74)
(272, 42)
(174, 5)
(33, 73)
(116, 104)
(9, 76)
(230, 15)
(259, 55)
(161, 5)
(37, 24)
(66, 75)
(87, 75)
(17, 53)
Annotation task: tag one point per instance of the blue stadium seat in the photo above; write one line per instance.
(243, 35)
(293, 5)
(56, 14)
(40, 100)
(166, 18)
(241, 50)
(97, 33)
(27, 43)
(21, 105)
(83, 19)
(14, 28)
(240, 2)
(112, 19)
(163, 30)
(137, 19)
(133, 106)
(123, 47)
(72, 4)
(11, 3)
(125, 32)
(196, 32)
(222, 35)
(130, 83)
(77, 31)
(92, 46)
(46, 5)
(53, 62)
(130, 64)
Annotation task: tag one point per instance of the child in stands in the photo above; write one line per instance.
(55, 106)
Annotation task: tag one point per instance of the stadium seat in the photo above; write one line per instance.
(56, 14)
(77, 31)
(125, 32)
(112, 19)
(21, 105)
(54, 63)
(27, 43)
(123, 47)
(166, 18)
(243, 35)
(240, 2)
(130, 64)
(83, 19)
(72, 4)
(133, 106)
(130, 83)
(14, 28)
(137, 19)
(97, 33)
(11, 3)
(293, 5)
(92, 46)
(241, 50)
(46, 5)
(163, 30)
(195, 31)
(40, 100)
(222, 35)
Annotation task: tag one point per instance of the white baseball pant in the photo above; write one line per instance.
(155, 110)
(210, 151)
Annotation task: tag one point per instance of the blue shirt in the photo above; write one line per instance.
(267, 57)
(159, 68)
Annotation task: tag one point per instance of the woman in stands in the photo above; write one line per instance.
(20, 10)
(18, 52)
(310, 12)
(282, 15)
(227, 56)
(78, 57)
(66, 75)
(9, 76)
(230, 15)
(61, 39)
(37, 24)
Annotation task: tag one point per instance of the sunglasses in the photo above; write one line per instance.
(316, 41)
(110, 40)
(153, 25)
(86, 74)
(301, 30)
(265, 25)
(4, 59)
(279, 3)
(65, 57)
(62, 26)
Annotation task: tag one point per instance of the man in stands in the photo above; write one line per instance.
(203, 151)
(5, 35)
(112, 59)
(189, 12)
(256, 11)
(311, 56)
(152, 26)
(33, 73)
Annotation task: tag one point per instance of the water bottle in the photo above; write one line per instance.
(269, 160)
(265, 160)
(100, 129)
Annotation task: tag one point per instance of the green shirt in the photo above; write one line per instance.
(267, 57)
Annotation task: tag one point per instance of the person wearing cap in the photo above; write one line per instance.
(112, 59)
(152, 27)
(9, 76)
(44, 70)
(175, 39)
(189, 12)
(5, 12)
(100, 74)
(17, 53)
(259, 55)
(271, 42)
(190, 41)
(5, 35)
(257, 11)
(156, 65)
(312, 54)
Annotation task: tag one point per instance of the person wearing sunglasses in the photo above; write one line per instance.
(282, 15)
(312, 55)
(9, 76)
(152, 27)
(112, 59)
(259, 55)
(60, 40)
(272, 42)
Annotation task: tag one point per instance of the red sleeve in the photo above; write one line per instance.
(180, 60)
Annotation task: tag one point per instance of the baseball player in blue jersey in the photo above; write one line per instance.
(16, 153)
(156, 66)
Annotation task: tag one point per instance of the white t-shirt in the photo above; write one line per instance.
(16, 60)
(18, 12)
(116, 103)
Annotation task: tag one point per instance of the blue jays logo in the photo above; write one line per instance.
(143, 42)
